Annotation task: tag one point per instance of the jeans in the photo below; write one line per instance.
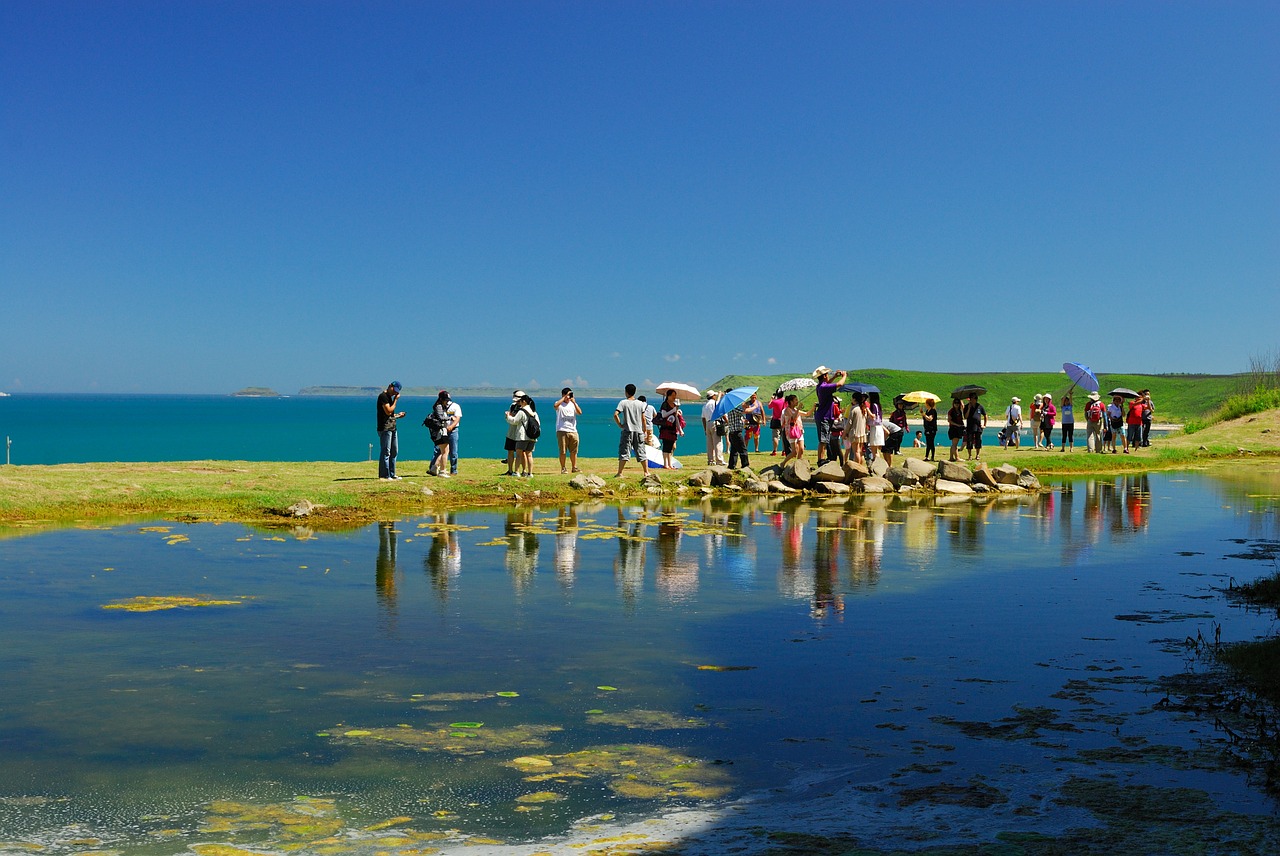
(453, 451)
(930, 444)
(388, 447)
(737, 449)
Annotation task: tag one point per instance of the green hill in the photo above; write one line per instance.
(1177, 397)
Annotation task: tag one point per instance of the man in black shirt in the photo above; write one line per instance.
(387, 442)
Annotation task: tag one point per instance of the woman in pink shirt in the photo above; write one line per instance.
(776, 406)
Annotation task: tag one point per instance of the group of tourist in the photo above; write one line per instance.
(1104, 423)
(856, 432)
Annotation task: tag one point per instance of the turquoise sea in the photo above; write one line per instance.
(81, 428)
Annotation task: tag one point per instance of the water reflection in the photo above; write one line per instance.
(443, 560)
(384, 575)
(522, 547)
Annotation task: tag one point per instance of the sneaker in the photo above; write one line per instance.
(563, 471)
(444, 475)
(397, 478)
(507, 473)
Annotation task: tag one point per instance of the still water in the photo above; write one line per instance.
(565, 678)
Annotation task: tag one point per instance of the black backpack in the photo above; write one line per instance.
(532, 428)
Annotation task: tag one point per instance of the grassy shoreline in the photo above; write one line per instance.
(350, 494)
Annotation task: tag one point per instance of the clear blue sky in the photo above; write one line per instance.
(200, 196)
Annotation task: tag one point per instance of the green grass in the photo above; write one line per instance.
(1235, 406)
(1177, 398)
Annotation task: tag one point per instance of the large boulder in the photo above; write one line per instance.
(947, 487)
(875, 484)
(582, 481)
(831, 487)
(1028, 480)
(984, 477)
(779, 486)
(1012, 489)
(651, 479)
(745, 474)
(721, 476)
(301, 508)
(771, 473)
(953, 471)
(901, 476)
(878, 467)
(831, 471)
(701, 479)
(922, 469)
(797, 473)
(1005, 474)
(854, 471)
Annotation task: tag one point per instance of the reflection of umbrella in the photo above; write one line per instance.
(920, 396)
(967, 390)
(1081, 376)
(684, 392)
(863, 388)
(731, 399)
(1123, 392)
(797, 383)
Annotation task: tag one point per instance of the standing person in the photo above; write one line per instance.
(1133, 422)
(1115, 423)
(822, 416)
(753, 413)
(438, 423)
(793, 428)
(837, 429)
(388, 442)
(1034, 419)
(629, 417)
(1013, 421)
(737, 437)
(523, 416)
(875, 427)
(714, 455)
(1148, 414)
(1068, 424)
(670, 427)
(455, 419)
(975, 421)
(898, 419)
(1093, 416)
(516, 398)
(567, 413)
(650, 417)
(929, 420)
(1048, 413)
(955, 428)
(776, 405)
(855, 427)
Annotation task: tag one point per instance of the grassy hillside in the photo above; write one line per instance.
(1177, 398)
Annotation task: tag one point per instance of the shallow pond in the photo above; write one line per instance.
(596, 678)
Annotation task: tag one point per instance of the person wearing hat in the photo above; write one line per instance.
(388, 442)
(823, 417)
(1013, 422)
(1048, 415)
(1093, 413)
(513, 431)
(1034, 418)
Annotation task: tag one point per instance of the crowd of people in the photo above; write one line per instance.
(856, 431)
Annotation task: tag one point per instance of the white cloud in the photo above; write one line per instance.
(615, 355)
(671, 358)
(578, 381)
(533, 384)
(739, 356)
(773, 361)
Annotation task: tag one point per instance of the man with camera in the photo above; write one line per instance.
(388, 444)
(567, 412)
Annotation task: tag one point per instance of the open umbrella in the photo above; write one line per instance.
(1123, 392)
(863, 388)
(1081, 376)
(797, 383)
(920, 396)
(731, 399)
(967, 390)
(684, 392)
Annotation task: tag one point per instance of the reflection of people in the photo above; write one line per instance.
(443, 560)
(567, 413)
(522, 547)
(567, 545)
(384, 570)
(388, 443)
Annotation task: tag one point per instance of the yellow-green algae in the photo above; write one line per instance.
(156, 603)
(635, 771)
(650, 720)
(473, 742)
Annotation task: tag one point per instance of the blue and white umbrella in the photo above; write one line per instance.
(732, 399)
(1081, 376)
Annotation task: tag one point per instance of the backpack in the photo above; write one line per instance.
(1094, 411)
(532, 427)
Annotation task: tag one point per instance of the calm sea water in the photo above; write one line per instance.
(566, 678)
(61, 429)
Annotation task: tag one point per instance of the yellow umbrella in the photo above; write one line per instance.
(920, 396)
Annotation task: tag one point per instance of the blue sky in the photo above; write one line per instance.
(200, 196)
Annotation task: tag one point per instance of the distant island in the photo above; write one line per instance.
(256, 392)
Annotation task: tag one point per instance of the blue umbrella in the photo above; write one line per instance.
(1081, 376)
(863, 388)
(731, 399)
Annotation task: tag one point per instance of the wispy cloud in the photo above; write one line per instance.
(576, 381)
(671, 358)
(773, 361)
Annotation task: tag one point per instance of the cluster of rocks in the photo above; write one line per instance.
(911, 476)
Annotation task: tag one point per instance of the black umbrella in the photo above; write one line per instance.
(864, 388)
(1124, 392)
(967, 390)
